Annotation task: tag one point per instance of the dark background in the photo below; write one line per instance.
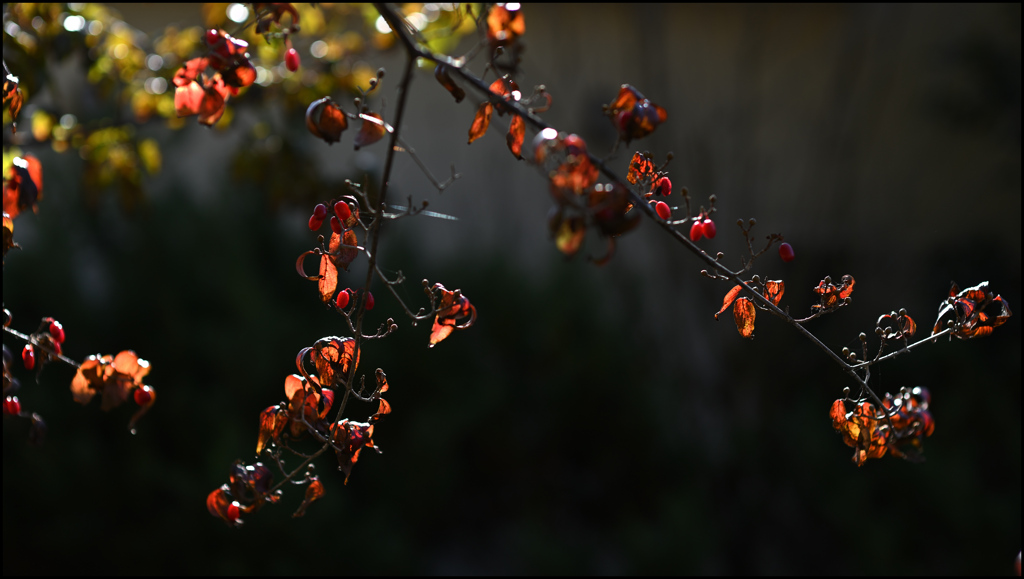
(595, 420)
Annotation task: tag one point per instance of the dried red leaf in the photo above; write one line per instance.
(218, 502)
(481, 121)
(214, 99)
(977, 311)
(441, 74)
(349, 438)
(273, 421)
(326, 120)
(641, 166)
(344, 248)
(314, 491)
(23, 185)
(373, 130)
(729, 298)
(838, 415)
(847, 288)
(744, 313)
(240, 76)
(382, 382)
(832, 296)
(504, 26)
(516, 134)
(332, 357)
(773, 290)
(633, 115)
(454, 312)
(189, 72)
(383, 409)
(328, 278)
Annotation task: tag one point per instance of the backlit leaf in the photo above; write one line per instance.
(454, 312)
(516, 134)
(326, 120)
(441, 74)
(344, 248)
(273, 420)
(729, 298)
(481, 121)
(332, 357)
(13, 98)
(640, 167)
(328, 277)
(314, 491)
(371, 131)
(349, 438)
(569, 235)
(504, 26)
(744, 312)
(773, 290)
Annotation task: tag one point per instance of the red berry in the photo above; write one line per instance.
(233, 511)
(342, 300)
(335, 224)
(28, 356)
(12, 406)
(696, 231)
(786, 252)
(664, 186)
(291, 59)
(663, 210)
(369, 301)
(143, 395)
(314, 223)
(320, 211)
(708, 228)
(57, 331)
(212, 37)
(342, 210)
(56, 348)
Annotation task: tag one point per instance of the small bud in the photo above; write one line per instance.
(669, 156)
(752, 222)
(903, 312)
(846, 392)
(847, 301)
(888, 329)
(380, 72)
(846, 352)
(739, 222)
(719, 256)
(853, 357)
(863, 337)
(828, 279)
(879, 331)
(949, 323)
(713, 198)
(756, 279)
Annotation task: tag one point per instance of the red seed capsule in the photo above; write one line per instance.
(708, 228)
(212, 37)
(291, 59)
(143, 395)
(12, 406)
(369, 301)
(57, 331)
(28, 356)
(696, 231)
(314, 223)
(664, 187)
(663, 210)
(233, 511)
(341, 209)
(335, 224)
(342, 300)
(786, 252)
(320, 211)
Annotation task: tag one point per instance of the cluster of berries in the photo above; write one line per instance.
(341, 213)
(56, 332)
(346, 296)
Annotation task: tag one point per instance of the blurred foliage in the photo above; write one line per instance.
(129, 74)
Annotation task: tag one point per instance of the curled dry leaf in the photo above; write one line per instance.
(744, 313)
(633, 115)
(567, 231)
(832, 296)
(273, 421)
(331, 357)
(730, 297)
(900, 326)
(328, 278)
(349, 439)
(344, 248)
(441, 74)
(977, 311)
(325, 120)
(373, 130)
(516, 134)
(314, 491)
(610, 207)
(113, 378)
(481, 121)
(454, 312)
(773, 290)
(641, 167)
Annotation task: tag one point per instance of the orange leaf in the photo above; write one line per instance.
(13, 96)
(314, 491)
(454, 312)
(23, 187)
(504, 26)
(328, 277)
(349, 438)
(332, 357)
(516, 134)
(640, 167)
(773, 290)
(326, 120)
(272, 423)
(344, 248)
(847, 287)
(744, 312)
(569, 235)
(373, 130)
(838, 415)
(481, 121)
(729, 298)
